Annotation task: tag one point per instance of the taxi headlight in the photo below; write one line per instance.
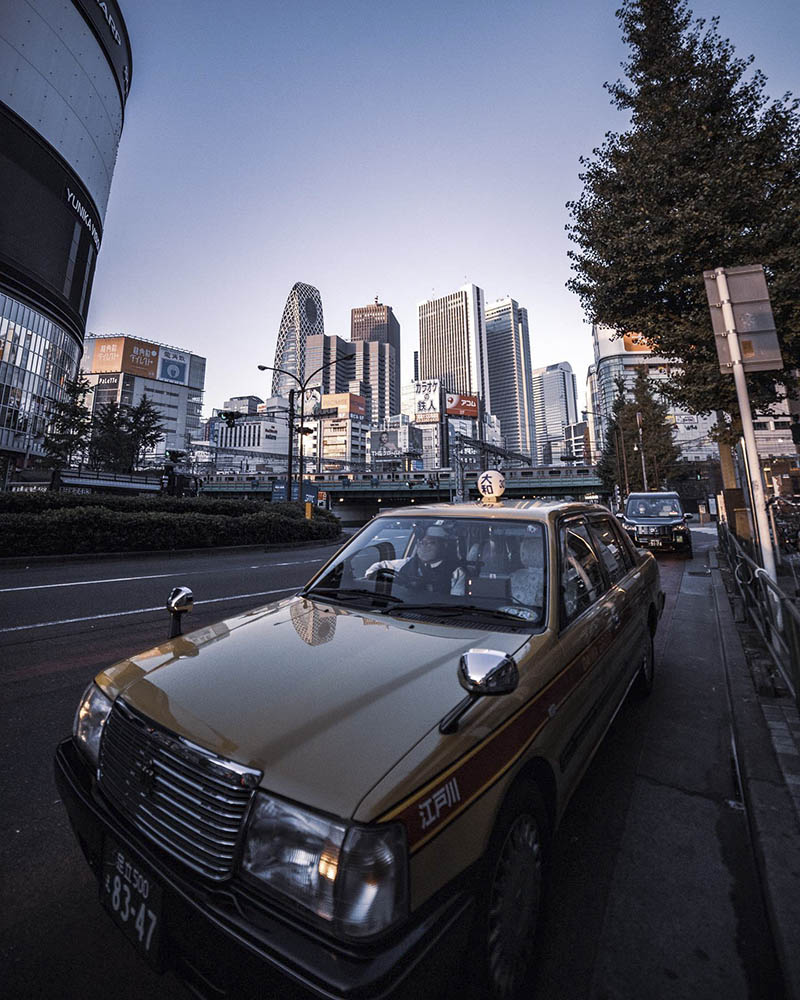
(90, 718)
(352, 877)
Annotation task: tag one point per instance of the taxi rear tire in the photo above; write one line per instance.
(510, 901)
(643, 683)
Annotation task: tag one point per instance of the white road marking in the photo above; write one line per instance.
(142, 611)
(154, 576)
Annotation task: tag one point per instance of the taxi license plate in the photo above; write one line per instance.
(133, 898)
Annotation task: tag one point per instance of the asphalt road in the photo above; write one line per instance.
(61, 623)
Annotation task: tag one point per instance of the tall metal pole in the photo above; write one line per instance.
(302, 439)
(754, 471)
(290, 456)
(641, 450)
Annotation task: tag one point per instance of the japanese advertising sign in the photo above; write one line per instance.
(173, 366)
(457, 405)
(385, 444)
(124, 354)
(427, 397)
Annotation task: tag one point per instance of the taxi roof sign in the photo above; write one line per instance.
(491, 485)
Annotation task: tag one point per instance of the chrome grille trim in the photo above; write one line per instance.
(183, 798)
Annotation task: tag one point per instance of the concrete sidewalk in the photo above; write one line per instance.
(702, 918)
(766, 734)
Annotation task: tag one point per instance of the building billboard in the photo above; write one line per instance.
(634, 342)
(108, 355)
(173, 366)
(457, 405)
(427, 396)
(609, 345)
(124, 354)
(347, 404)
(385, 444)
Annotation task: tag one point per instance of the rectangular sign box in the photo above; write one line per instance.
(752, 315)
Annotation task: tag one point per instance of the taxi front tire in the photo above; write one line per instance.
(511, 899)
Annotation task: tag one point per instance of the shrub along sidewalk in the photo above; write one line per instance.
(74, 524)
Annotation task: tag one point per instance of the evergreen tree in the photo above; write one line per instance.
(707, 175)
(145, 429)
(122, 435)
(111, 446)
(621, 460)
(68, 432)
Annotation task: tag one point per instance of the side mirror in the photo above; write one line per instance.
(179, 602)
(481, 672)
(688, 517)
(487, 672)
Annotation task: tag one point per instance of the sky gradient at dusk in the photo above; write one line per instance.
(389, 149)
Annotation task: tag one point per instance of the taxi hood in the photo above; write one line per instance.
(323, 700)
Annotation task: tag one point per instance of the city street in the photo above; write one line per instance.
(653, 885)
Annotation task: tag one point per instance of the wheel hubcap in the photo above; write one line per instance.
(514, 907)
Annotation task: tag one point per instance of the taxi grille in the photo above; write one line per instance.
(186, 800)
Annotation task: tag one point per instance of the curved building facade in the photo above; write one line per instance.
(65, 72)
(302, 318)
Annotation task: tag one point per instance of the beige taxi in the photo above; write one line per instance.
(352, 792)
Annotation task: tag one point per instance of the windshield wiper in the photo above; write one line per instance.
(349, 595)
(464, 609)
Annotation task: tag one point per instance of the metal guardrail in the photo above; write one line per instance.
(773, 612)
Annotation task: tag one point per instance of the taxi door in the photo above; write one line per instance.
(629, 597)
(591, 626)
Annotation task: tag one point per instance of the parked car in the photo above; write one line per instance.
(657, 521)
(353, 792)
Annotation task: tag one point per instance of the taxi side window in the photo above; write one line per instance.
(612, 552)
(582, 581)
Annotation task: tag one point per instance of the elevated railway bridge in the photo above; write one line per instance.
(357, 496)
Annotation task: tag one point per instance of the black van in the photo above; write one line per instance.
(656, 521)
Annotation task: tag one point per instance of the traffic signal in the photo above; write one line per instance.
(230, 416)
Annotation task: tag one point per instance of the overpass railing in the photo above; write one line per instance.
(771, 611)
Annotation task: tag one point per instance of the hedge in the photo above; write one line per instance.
(84, 528)
(32, 503)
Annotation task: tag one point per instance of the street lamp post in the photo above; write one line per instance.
(302, 387)
(641, 449)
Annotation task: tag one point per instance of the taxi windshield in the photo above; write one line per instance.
(492, 571)
(653, 507)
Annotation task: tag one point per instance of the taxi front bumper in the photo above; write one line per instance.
(224, 942)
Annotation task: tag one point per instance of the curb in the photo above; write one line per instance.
(774, 830)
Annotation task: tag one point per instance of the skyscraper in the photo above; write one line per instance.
(375, 322)
(336, 353)
(555, 404)
(376, 333)
(452, 342)
(510, 377)
(302, 318)
(65, 73)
